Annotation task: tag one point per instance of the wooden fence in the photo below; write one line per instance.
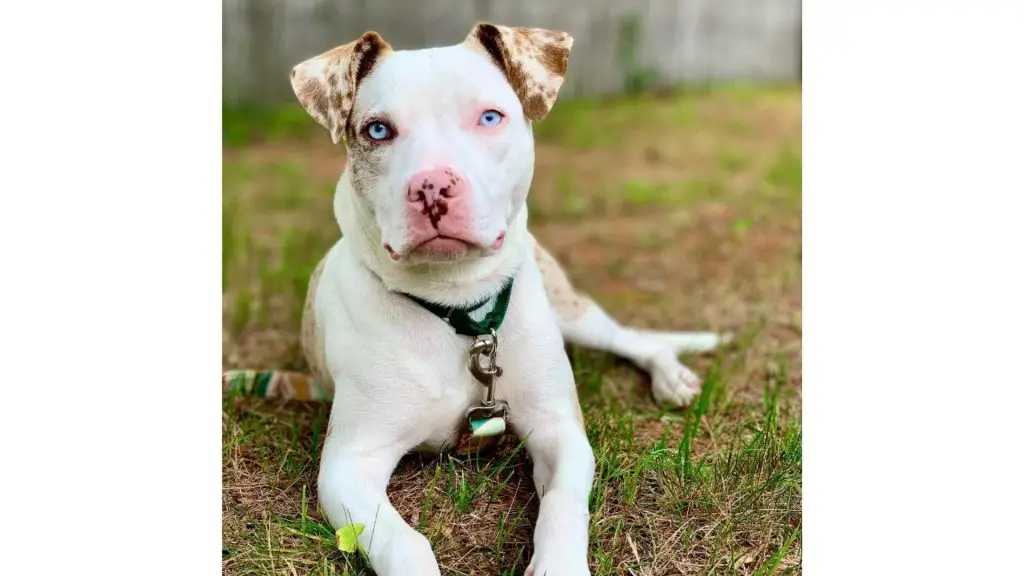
(620, 44)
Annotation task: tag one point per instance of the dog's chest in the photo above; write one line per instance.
(460, 387)
(445, 417)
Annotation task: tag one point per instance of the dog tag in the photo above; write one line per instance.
(485, 430)
(488, 427)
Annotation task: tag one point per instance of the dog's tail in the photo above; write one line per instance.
(275, 384)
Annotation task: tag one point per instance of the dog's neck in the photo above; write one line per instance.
(457, 284)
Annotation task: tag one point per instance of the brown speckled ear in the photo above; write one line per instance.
(534, 61)
(326, 84)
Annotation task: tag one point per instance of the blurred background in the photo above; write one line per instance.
(621, 45)
(668, 183)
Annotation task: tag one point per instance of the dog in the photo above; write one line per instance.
(437, 318)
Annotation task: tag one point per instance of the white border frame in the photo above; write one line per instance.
(912, 241)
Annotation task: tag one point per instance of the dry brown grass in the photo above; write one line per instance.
(679, 212)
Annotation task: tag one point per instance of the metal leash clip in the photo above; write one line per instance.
(483, 364)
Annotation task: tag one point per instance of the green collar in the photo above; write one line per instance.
(459, 318)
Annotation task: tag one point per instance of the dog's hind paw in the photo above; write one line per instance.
(671, 382)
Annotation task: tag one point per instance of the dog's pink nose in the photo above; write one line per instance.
(438, 209)
(433, 192)
(434, 186)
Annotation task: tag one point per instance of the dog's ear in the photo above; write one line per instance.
(534, 61)
(326, 84)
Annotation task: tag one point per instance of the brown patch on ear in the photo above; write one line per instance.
(535, 107)
(489, 37)
(368, 51)
(552, 47)
(534, 61)
(326, 84)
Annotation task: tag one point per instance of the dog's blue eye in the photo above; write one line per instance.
(491, 118)
(378, 131)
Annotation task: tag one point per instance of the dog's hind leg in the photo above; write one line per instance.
(584, 323)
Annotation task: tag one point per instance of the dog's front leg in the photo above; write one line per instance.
(352, 487)
(563, 471)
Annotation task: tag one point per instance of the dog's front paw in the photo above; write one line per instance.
(671, 382)
(409, 554)
(557, 568)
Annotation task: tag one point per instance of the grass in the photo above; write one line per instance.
(674, 212)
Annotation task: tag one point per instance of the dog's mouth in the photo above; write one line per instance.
(441, 247)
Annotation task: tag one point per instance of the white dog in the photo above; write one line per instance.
(437, 318)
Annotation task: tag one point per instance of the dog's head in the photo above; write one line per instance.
(439, 140)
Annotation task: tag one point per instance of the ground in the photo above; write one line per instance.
(679, 212)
